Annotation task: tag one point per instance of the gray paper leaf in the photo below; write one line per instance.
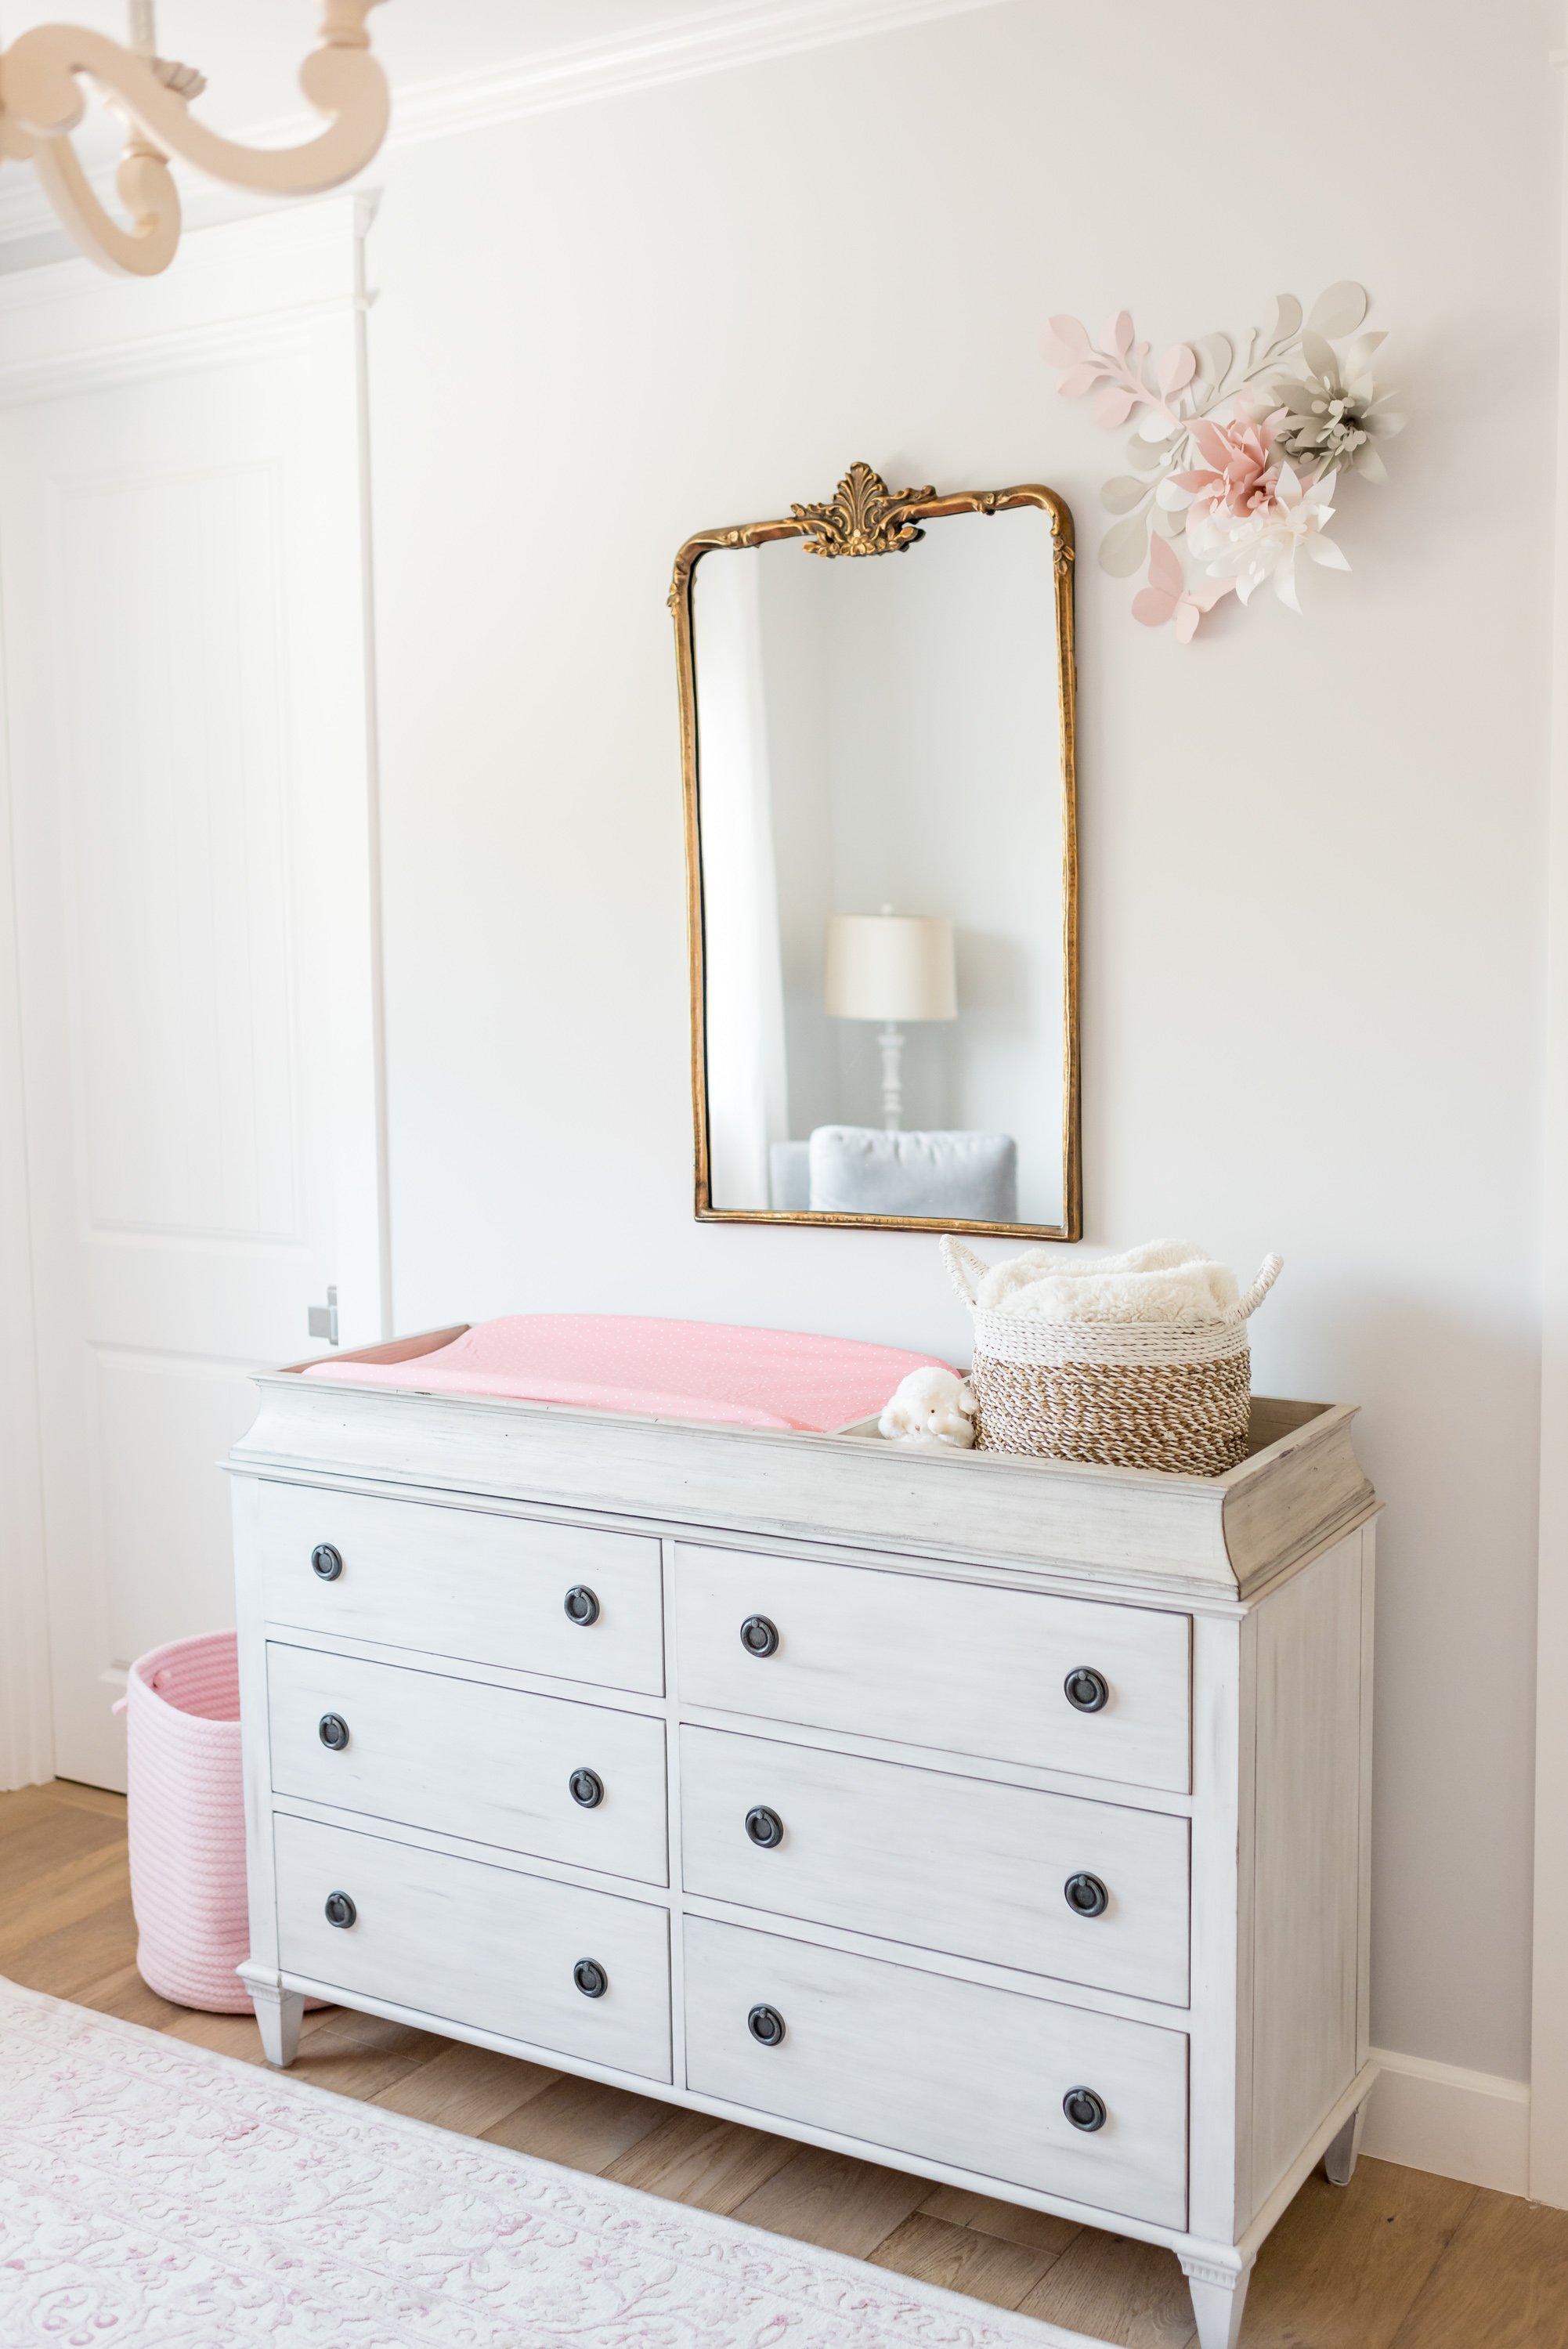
(1144, 454)
(1284, 323)
(1170, 521)
(1215, 359)
(1339, 311)
(1123, 547)
(1318, 353)
(1122, 493)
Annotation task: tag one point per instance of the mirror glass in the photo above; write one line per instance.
(880, 785)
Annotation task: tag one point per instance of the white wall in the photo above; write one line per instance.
(1312, 848)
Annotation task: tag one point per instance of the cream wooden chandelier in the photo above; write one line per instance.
(41, 103)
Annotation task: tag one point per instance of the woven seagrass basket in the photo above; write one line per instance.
(1126, 1394)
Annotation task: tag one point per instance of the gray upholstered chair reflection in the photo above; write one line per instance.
(858, 1170)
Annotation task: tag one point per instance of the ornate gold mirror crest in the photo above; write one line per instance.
(864, 518)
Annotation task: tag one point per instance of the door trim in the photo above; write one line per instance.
(1548, 2045)
(26, 1712)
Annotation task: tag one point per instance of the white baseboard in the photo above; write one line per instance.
(1467, 2124)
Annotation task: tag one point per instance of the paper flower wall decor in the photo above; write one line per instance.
(1240, 458)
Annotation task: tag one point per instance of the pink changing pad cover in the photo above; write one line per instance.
(673, 1370)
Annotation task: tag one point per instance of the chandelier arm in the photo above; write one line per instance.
(147, 191)
(340, 78)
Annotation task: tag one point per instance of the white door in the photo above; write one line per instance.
(186, 677)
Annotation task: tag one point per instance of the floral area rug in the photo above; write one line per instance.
(152, 2193)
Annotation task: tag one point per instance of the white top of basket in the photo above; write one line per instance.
(1165, 1302)
(1164, 1281)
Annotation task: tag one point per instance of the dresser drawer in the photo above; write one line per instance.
(461, 1583)
(944, 2070)
(952, 1864)
(461, 1758)
(954, 1665)
(470, 1944)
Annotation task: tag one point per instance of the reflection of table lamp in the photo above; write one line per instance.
(891, 966)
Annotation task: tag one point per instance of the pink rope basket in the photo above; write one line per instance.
(186, 1822)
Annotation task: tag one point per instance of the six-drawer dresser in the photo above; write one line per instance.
(1006, 1820)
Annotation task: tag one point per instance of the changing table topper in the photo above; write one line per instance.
(673, 1369)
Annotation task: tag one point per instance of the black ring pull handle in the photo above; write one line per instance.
(765, 1827)
(581, 1605)
(765, 2025)
(587, 1788)
(340, 1910)
(759, 1636)
(1086, 1690)
(590, 1977)
(1086, 1895)
(333, 1731)
(326, 1561)
(1084, 2110)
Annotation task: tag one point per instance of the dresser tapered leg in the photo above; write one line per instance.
(278, 2014)
(1339, 2161)
(1218, 2294)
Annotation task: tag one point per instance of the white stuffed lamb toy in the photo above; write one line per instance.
(931, 1406)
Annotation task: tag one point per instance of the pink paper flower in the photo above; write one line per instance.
(1238, 477)
(1246, 549)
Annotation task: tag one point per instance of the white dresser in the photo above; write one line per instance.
(1003, 1820)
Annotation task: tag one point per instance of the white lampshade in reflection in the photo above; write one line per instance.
(891, 966)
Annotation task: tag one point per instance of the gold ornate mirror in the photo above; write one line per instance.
(882, 869)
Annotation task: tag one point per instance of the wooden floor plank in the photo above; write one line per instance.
(124, 1993)
(583, 2123)
(362, 2073)
(1345, 2263)
(67, 1896)
(221, 2034)
(1036, 2228)
(87, 1798)
(832, 2200)
(22, 1807)
(370, 2033)
(359, 2055)
(1502, 2281)
(66, 1959)
(711, 2164)
(1132, 2294)
(986, 2267)
(40, 1857)
(467, 2088)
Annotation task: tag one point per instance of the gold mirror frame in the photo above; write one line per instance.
(865, 518)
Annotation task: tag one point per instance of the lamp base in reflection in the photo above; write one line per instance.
(890, 1041)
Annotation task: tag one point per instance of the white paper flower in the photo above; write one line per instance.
(1336, 414)
(1250, 548)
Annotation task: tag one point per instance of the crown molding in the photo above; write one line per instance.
(678, 48)
(254, 289)
(579, 73)
(106, 366)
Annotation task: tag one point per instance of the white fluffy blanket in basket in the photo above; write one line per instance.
(1165, 1281)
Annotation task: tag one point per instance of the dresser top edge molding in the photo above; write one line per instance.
(1228, 1535)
